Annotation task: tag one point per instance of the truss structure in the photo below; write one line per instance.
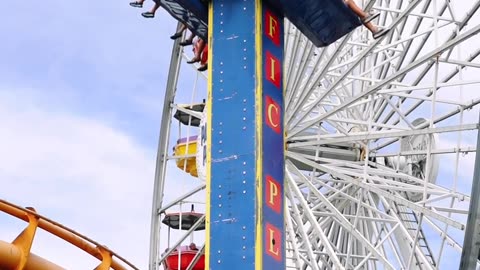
(381, 138)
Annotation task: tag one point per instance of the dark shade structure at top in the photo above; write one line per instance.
(321, 21)
(172, 220)
(186, 118)
(193, 13)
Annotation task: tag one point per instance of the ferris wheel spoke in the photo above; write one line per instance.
(403, 89)
(325, 242)
(377, 246)
(297, 74)
(348, 198)
(392, 46)
(444, 48)
(378, 172)
(443, 233)
(371, 187)
(315, 78)
(390, 185)
(375, 88)
(366, 123)
(411, 205)
(361, 56)
(406, 49)
(292, 240)
(313, 140)
(375, 214)
(438, 119)
(413, 107)
(329, 227)
(342, 220)
(397, 110)
(295, 66)
(390, 172)
(404, 238)
(370, 237)
(465, 20)
(352, 113)
(291, 45)
(380, 228)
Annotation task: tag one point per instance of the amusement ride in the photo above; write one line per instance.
(310, 144)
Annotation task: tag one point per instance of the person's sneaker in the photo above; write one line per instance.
(203, 68)
(380, 32)
(136, 4)
(176, 35)
(372, 15)
(148, 14)
(186, 42)
(193, 60)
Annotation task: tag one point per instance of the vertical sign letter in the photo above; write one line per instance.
(273, 241)
(272, 29)
(274, 194)
(273, 72)
(273, 114)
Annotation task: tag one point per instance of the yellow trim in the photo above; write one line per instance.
(258, 130)
(209, 134)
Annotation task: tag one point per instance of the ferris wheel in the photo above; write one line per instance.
(381, 141)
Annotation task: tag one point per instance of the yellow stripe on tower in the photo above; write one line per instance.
(209, 134)
(258, 131)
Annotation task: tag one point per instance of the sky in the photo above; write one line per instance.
(81, 95)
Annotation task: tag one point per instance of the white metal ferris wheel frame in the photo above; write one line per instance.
(338, 74)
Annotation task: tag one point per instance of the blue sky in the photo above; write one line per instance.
(81, 93)
(98, 58)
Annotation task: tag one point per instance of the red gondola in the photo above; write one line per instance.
(183, 256)
(187, 256)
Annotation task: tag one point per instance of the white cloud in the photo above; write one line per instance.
(70, 146)
(82, 173)
(78, 171)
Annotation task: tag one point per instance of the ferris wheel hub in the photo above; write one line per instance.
(413, 159)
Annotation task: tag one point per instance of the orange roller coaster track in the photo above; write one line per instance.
(17, 256)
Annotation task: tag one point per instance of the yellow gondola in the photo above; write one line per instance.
(186, 149)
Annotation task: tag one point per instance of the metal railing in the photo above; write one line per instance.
(16, 255)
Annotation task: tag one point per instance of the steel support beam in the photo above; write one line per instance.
(162, 151)
(471, 242)
(444, 47)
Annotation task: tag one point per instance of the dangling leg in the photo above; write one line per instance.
(370, 26)
(366, 19)
(188, 41)
(364, 16)
(151, 13)
(377, 32)
(180, 32)
(192, 36)
(204, 60)
(198, 51)
(155, 7)
(356, 9)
